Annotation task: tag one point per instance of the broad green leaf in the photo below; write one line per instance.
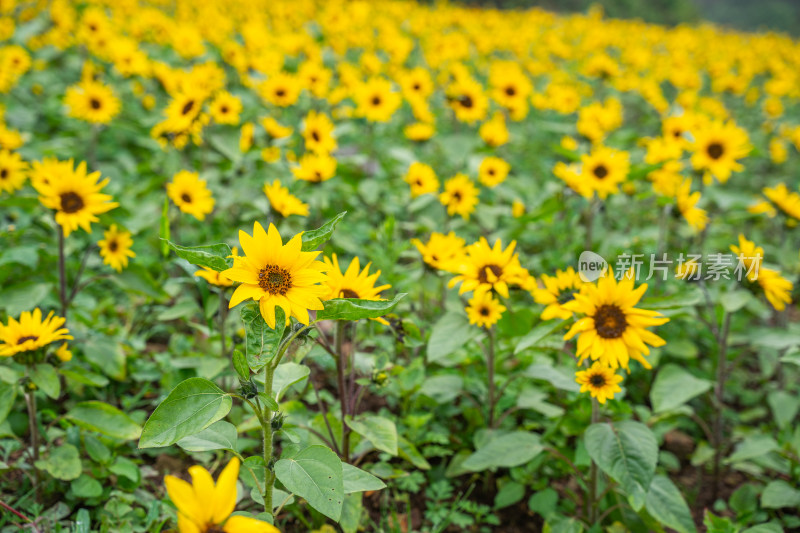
(627, 451)
(312, 239)
(409, 452)
(269, 401)
(220, 435)
(753, 447)
(381, 432)
(509, 494)
(779, 494)
(352, 510)
(84, 377)
(106, 353)
(86, 487)
(126, 468)
(507, 450)
(356, 309)
(537, 334)
(262, 342)
(733, 301)
(557, 377)
(784, 407)
(191, 407)
(8, 393)
(46, 378)
(23, 297)
(450, 333)
(214, 256)
(62, 463)
(666, 504)
(83, 522)
(286, 375)
(356, 480)
(674, 386)
(443, 388)
(316, 475)
(240, 365)
(771, 527)
(104, 419)
(96, 449)
(533, 398)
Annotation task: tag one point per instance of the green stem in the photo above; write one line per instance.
(62, 272)
(490, 365)
(30, 401)
(341, 364)
(719, 391)
(266, 425)
(593, 471)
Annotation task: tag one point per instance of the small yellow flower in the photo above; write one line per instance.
(31, 332)
(484, 310)
(115, 249)
(190, 194)
(600, 381)
(421, 179)
(493, 171)
(460, 196)
(283, 201)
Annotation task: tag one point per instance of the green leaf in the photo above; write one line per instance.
(214, 256)
(753, 447)
(84, 377)
(220, 435)
(62, 463)
(46, 378)
(23, 297)
(315, 237)
(356, 309)
(627, 451)
(164, 234)
(558, 377)
(104, 419)
(8, 393)
(770, 527)
(509, 494)
(666, 504)
(126, 468)
(83, 522)
(450, 333)
(674, 386)
(269, 401)
(381, 432)
(504, 451)
(733, 301)
(409, 452)
(537, 334)
(784, 407)
(779, 494)
(240, 365)
(356, 480)
(191, 407)
(86, 487)
(315, 474)
(96, 449)
(262, 342)
(106, 353)
(286, 375)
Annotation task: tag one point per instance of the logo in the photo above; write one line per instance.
(591, 266)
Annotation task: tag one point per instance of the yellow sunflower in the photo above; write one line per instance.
(76, 197)
(354, 282)
(460, 196)
(604, 169)
(213, 277)
(776, 288)
(31, 332)
(274, 129)
(468, 100)
(493, 171)
(190, 194)
(12, 171)
(421, 179)
(419, 131)
(271, 154)
(717, 149)
(487, 268)
(786, 200)
(613, 330)
(225, 108)
(277, 275)
(206, 507)
(283, 201)
(115, 249)
(484, 310)
(318, 133)
(600, 381)
(315, 168)
(92, 101)
(444, 252)
(281, 90)
(687, 205)
(246, 137)
(494, 132)
(376, 101)
(557, 291)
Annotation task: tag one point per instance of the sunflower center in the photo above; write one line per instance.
(71, 202)
(677, 133)
(490, 172)
(280, 92)
(95, 103)
(214, 529)
(610, 322)
(315, 135)
(187, 107)
(597, 380)
(223, 109)
(600, 171)
(23, 340)
(274, 280)
(565, 297)
(348, 293)
(416, 87)
(318, 175)
(483, 277)
(457, 196)
(510, 90)
(484, 311)
(715, 150)
(186, 198)
(113, 246)
(376, 100)
(466, 101)
(4, 173)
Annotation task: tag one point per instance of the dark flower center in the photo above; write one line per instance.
(600, 171)
(113, 246)
(610, 322)
(223, 109)
(71, 202)
(510, 90)
(214, 529)
(348, 293)
(415, 87)
(187, 107)
(280, 92)
(490, 172)
(597, 380)
(457, 196)
(186, 198)
(466, 101)
(715, 150)
(274, 280)
(376, 100)
(484, 311)
(95, 103)
(318, 175)
(315, 135)
(483, 277)
(23, 340)
(4, 173)
(677, 133)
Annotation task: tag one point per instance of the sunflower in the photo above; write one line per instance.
(416, 83)
(31, 332)
(419, 131)
(717, 149)
(749, 256)
(213, 277)
(687, 201)
(517, 208)
(76, 197)
(468, 100)
(315, 168)
(246, 137)
(12, 171)
(557, 291)
(281, 89)
(776, 288)
(190, 194)
(613, 330)
(225, 108)
(283, 201)
(376, 101)
(318, 133)
(493, 171)
(92, 101)
(115, 249)
(47, 170)
(277, 275)
(460, 196)
(494, 131)
(487, 268)
(444, 252)
(271, 154)
(354, 282)
(183, 110)
(206, 507)
(421, 179)
(484, 310)
(600, 381)
(786, 200)
(274, 129)
(604, 169)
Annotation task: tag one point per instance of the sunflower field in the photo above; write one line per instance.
(321, 266)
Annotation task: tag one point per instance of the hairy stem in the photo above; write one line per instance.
(62, 272)
(719, 390)
(266, 425)
(341, 365)
(30, 401)
(490, 365)
(593, 471)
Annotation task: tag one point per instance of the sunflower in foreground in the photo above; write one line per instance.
(206, 507)
(277, 275)
(484, 310)
(600, 381)
(613, 330)
(76, 197)
(283, 201)
(488, 268)
(557, 291)
(190, 194)
(92, 101)
(115, 248)
(31, 332)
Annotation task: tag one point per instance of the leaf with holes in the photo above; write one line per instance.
(262, 341)
(316, 475)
